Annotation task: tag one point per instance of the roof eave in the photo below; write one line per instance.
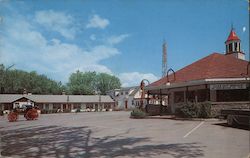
(198, 82)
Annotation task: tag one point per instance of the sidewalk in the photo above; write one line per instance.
(173, 117)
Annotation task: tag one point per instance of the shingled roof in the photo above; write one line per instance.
(9, 98)
(213, 66)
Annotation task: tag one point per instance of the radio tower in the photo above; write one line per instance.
(164, 59)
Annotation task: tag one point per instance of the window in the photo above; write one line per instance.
(191, 96)
(230, 47)
(233, 95)
(178, 97)
(235, 46)
(203, 95)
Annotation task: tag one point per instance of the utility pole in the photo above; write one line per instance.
(164, 59)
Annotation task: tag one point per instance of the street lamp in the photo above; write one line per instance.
(142, 86)
(168, 74)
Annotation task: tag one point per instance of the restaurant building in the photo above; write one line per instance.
(222, 79)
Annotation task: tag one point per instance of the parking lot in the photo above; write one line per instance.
(114, 134)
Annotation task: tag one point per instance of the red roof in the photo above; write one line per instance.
(213, 66)
(232, 36)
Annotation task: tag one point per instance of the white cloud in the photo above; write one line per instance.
(57, 21)
(28, 49)
(97, 22)
(117, 39)
(244, 29)
(134, 78)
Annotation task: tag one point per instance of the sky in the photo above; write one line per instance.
(119, 37)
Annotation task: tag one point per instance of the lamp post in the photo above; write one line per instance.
(168, 74)
(142, 86)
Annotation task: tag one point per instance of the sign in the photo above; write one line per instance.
(228, 86)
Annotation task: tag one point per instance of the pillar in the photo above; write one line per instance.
(50, 106)
(171, 102)
(213, 95)
(196, 96)
(185, 96)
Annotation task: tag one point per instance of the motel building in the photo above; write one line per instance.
(222, 79)
(56, 103)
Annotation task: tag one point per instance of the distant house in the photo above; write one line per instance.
(55, 102)
(126, 98)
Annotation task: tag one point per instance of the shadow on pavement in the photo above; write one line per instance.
(73, 142)
(225, 125)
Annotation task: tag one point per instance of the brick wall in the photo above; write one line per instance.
(217, 106)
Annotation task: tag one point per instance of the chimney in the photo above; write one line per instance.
(63, 92)
(24, 91)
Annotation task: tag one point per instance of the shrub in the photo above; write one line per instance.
(194, 110)
(205, 110)
(78, 110)
(137, 113)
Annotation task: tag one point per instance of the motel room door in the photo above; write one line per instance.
(96, 107)
(126, 104)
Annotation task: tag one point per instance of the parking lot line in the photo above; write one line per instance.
(193, 129)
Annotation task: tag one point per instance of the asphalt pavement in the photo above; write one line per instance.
(114, 134)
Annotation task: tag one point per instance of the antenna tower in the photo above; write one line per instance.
(164, 59)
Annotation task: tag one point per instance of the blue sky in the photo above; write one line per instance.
(120, 37)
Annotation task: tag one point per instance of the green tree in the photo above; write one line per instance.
(107, 82)
(91, 82)
(82, 83)
(15, 81)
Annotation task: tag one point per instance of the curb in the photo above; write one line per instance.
(183, 119)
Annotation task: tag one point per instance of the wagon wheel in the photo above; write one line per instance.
(31, 114)
(27, 116)
(12, 116)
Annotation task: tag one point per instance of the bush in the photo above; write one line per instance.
(195, 110)
(205, 110)
(78, 110)
(137, 113)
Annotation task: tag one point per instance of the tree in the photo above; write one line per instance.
(92, 82)
(82, 83)
(15, 81)
(107, 82)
